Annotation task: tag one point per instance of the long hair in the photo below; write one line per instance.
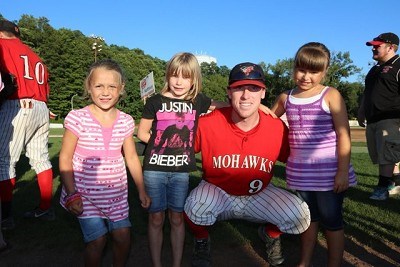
(187, 64)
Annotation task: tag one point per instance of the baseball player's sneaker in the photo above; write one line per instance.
(380, 193)
(47, 215)
(201, 253)
(272, 247)
(8, 223)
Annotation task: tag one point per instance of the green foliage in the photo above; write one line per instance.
(341, 67)
(278, 79)
(215, 86)
(215, 80)
(351, 93)
(69, 53)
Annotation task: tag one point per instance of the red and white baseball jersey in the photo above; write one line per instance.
(240, 163)
(32, 75)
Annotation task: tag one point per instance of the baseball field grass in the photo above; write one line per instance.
(372, 227)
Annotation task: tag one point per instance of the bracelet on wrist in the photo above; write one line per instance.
(71, 198)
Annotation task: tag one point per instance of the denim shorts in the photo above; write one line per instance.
(325, 207)
(167, 190)
(93, 228)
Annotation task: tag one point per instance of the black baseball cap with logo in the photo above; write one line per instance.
(8, 26)
(387, 37)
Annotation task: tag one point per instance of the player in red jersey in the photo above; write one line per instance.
(239, 147)
(24, 120)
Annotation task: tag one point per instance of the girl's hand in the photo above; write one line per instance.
(145, 200)
(267, 111)
(341, 182)
(76, 207)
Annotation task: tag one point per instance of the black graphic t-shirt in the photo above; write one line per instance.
(170, 148)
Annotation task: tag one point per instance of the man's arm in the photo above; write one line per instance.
(361, 113)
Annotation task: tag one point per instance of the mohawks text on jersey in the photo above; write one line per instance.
(236, 161)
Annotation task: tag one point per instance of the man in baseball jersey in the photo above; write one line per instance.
(24, 120)
(239, 147)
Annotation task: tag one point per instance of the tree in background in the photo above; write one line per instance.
(215, 80)
(68, 54)
(278, 79)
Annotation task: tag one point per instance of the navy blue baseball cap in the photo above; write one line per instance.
(246, 73)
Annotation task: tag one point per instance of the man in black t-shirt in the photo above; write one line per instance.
(380, 110)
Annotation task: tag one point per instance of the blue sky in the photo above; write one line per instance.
(231, 31)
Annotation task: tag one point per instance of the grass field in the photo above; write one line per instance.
(372, 228)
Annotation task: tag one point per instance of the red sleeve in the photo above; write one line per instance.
(197, 139)
(285, 150)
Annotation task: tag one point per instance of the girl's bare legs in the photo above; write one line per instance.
(155, 232)
(177, 236)
(121, 246)
(335, 240)
(308, 241)
(94, 251)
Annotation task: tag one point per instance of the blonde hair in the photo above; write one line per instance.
(312, 56)
(187, 64)
(107, 64)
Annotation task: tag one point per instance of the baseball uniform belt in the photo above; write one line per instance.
(26, 103)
